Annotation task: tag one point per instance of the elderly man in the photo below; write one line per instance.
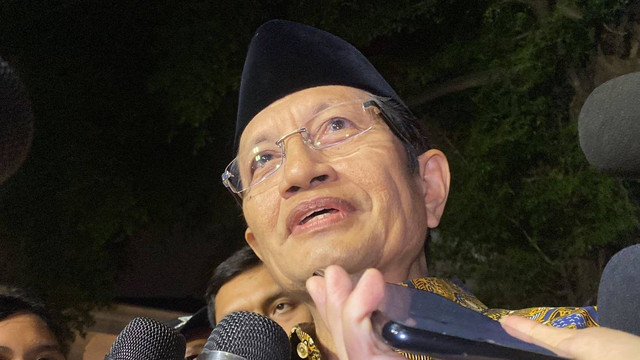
(336, 177)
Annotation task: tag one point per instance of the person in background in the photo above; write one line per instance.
(240, 283)
(30, 331)
(243, 283)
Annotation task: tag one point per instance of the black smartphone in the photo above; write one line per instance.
(421, 322)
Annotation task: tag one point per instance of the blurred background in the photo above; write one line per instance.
(119, 208)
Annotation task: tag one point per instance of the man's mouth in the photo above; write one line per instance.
(317, 213)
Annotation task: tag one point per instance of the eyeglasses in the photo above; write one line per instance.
(333, 126)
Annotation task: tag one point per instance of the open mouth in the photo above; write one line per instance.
(317, 214)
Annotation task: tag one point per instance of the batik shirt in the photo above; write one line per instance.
(304, 347)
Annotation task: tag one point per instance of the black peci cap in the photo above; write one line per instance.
(285, 57)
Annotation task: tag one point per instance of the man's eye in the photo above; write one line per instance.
(262, 163)
(281, 307)
(337, 124)
(260, 160)
(335, 129)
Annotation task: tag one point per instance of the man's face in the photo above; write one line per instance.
(255, 290)
(360, 206)
(26, 336)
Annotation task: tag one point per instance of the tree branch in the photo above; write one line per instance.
(455, 85)
(532, 242)
(569, 12)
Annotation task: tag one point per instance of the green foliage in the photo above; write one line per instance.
(524, 201)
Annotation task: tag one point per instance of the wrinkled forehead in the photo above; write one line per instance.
(290, 112)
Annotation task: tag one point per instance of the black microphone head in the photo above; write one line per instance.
(619, 291)
(147, 339)
(609, 126)
(251, 336)
(16, 122)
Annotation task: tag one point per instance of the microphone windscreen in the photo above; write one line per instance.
(619, 291)
(609, 126)
(147, 339)
(16, 122)
(251, 336)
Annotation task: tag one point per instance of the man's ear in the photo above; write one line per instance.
(435, 179)
(253, 243)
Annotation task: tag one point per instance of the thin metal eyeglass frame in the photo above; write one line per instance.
(304, 133)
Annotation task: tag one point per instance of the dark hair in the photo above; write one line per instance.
(406, 127)
(241, 261)
(15, 301)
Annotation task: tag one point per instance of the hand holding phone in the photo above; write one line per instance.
(422, 322)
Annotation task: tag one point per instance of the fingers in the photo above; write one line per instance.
(535, 333)
(329, 294)
(338, 289)
(317, 290)
(346, 312)
(532, 331)
(585, 344)
(366, 296)
(360, 339)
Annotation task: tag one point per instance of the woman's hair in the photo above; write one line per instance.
(16, 301)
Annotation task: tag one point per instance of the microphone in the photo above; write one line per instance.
(609, 126)
(147, 339)
(244, 335)
(16, 122)
(619, 291)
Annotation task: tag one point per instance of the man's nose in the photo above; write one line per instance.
(303, 167)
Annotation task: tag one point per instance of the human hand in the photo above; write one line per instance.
(347, 310)
(585, 344)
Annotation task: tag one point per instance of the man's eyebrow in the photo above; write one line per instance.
(258, 140)
(320, 107)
